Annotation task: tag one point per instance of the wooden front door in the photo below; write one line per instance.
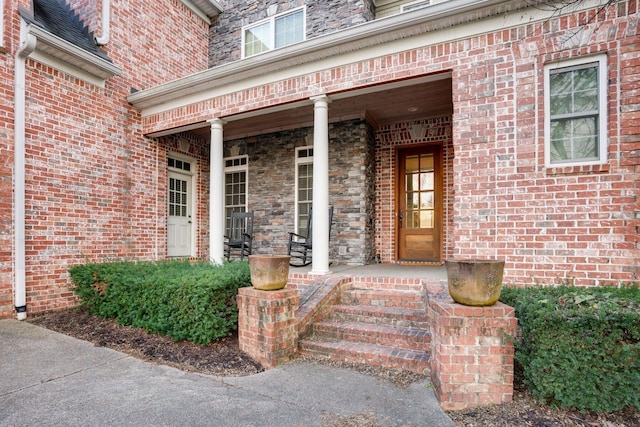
(419, 215)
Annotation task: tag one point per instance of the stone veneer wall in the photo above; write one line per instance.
(322, 17)
(389, 139)
(271, 188)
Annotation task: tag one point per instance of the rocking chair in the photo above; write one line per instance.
(300, 245)
(240, 235)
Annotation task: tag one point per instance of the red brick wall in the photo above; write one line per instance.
(93, 180)
(472, 355)
(550, 225)
(94, 183)
(268, 325)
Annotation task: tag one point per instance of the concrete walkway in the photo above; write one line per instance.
(50, 379)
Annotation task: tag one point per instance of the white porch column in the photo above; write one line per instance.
(320, 229)
(216, 193)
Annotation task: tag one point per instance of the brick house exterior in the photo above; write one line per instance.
(184, 90)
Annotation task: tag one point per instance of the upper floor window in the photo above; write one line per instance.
(575, 112)
(278, 31)
(415, 5)
(1, 23)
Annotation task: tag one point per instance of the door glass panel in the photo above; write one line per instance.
(419, 181)
(412, 164)
(426, 219)
(426, 181)
(177, 197)
(426, 200)
(426, 163)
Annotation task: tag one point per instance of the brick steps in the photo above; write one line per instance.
(406, 337)
(382, 298)
(379, 327)
(368, 354)
(394, 316)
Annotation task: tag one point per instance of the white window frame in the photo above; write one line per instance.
(601, 61)
(415, 5)
(242, 166)
(272, 28)
(300, 161)
(2, 23)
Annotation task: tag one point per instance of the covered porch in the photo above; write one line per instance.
(362, 150)
(431, 273)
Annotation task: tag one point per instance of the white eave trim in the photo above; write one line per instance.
(58, 48)
(365, 35)
(441, 16)
(205, 9)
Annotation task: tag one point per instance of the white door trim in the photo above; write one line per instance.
(190, 176)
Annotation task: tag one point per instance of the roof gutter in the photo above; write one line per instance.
(71, 54)
(106, 18)
(27, 45)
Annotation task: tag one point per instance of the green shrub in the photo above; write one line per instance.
(579, 347)
(193, 302)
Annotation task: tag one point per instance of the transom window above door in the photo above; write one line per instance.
(277, 31)
(179, 164)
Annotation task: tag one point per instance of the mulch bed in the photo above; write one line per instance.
(224, 358)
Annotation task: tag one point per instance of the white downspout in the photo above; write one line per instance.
(28, 44)
(106, 15)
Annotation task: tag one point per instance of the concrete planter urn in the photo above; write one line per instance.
(475, 282)
(269, 272)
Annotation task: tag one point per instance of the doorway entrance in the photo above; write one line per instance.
(180, 221)
(419, 218)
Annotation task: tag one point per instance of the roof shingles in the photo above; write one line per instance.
(57, 17)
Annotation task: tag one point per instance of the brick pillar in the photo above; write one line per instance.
(268, 324)
(471, 358)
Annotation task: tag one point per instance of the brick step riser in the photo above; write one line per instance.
(331, 332)
(374, 320)
(384, 284)
(365, 357)
(362, 315)
(359, 299)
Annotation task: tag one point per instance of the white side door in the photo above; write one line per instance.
(180, 224)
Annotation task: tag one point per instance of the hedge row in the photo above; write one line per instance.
(193, 302)
(579, 347)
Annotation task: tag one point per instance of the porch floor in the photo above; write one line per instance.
(428, 272)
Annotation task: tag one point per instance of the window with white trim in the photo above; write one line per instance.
(1, 23)
(415, 5)
(278, 31)
(304, 186)
(235, 186)
(576, 112)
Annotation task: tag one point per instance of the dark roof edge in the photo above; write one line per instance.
(66, 51)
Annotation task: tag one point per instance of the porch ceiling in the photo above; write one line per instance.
(383, 104)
